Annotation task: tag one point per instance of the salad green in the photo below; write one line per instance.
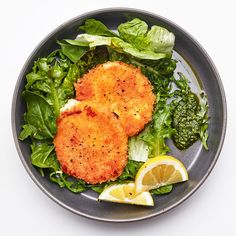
(50, 85)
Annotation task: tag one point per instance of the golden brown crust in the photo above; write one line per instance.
(123, 89)
(91, 144)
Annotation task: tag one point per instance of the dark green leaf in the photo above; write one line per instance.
(130, 170)
(43, 156)
(162, 190)
(159, 73)
(159, 130)
(63, 180)
(98, 188)
(66, 90)
(73, 52)
(39, 115)
(28, 130)
(32, 78)
(55, 177)
(117, 56)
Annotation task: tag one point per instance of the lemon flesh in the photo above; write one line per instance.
(160, 171)
(125, 193)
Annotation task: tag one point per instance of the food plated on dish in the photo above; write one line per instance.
(69, 68)
(101, 107)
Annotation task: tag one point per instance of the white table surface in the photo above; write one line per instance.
(25, 210)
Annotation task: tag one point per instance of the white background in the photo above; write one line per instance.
(25, 210)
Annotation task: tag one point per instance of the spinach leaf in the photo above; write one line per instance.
(43, 156)
(65, 90)
(162, 190)
(98, 188)
(96, 27)
(39, 117)
(73, 52)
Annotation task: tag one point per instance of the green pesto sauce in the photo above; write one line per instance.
(186, 122)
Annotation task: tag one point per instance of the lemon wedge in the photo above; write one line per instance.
(125, 193)
(159, 171)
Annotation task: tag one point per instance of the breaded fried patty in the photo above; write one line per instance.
(90, 143)
(123, 89)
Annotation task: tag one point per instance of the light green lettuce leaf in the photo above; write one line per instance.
(96, 27)
(161, 40)
(119, 45)
(128, 48)
(93, 40)
(138, 149)
(157, 39)
(134, 32)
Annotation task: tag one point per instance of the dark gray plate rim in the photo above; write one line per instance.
(87, 15)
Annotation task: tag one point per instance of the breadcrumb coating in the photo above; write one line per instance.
(123, 90)
(90, 143)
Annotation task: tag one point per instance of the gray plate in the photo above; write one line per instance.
(194, 62)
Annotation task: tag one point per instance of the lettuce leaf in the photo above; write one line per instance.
(134, 39)
(157, 39)
(95, 27)
(130, 49)
(134, 32)
(91, 40)
(138, 149)
(160, 39)
(116, 44)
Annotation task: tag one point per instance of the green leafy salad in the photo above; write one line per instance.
(179, 115)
